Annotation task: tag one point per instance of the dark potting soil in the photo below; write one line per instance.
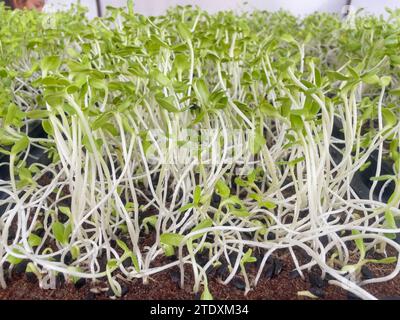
(165, 286)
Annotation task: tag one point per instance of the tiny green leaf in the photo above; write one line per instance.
(222, 189)
(58, 231)
(20, 145)
(184, 32)
(172, 239)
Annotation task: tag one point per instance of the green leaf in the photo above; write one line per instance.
(196, 195)
(152, 220)
(101, 120)
(370, 78)
(385, 81)
(37, 114)
(166, 103)
(31, 268)
(186, 207)
(288, 38)
(334, 75)
(123, 245)
(222, 189)
(394, 147)
(184, 31)
(160, 78)
(360, 244)
(181, 62)
(66, 211)
(269, 110)
(382, 178)
(75, 252)
(34, 240)
(20, 145)
(267, 204)
(207, 223)
(353, 73)
(297, 122)
(12, 259)
(206, 295)
(241, 183)
(247, 258)
(317, 77)
(58, 231)
(202, 90)
(365, 166)
(67, 232)
(258, 142)
(172, 239)
(389, 117)
(130, 7)
(395, 92)
(391, 40)
(11, 114)
(112, 265)
(51, 63)
(47, 127)
(390, 223)
(168, 250)
(387, 260)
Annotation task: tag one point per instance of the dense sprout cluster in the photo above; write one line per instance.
(192, 133)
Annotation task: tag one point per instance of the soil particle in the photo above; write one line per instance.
(316, 280)
(352, 296)
(21, 267)
(127, 263)
(80, 283)
(222, 271)
(110, 293)
(103, 261)
(68, 258)
(124, 290)
(391, 298)
(294, 274)
(238, 283)
(90, 296)
(271, 236)
(233, 257)
(202, 259)
(175, 276)
(320, 293)
(31, 277)
(11, 235)
(63, 218)
(113, 243)
(269, 270)
(324, 240)
(215, 200)
(60, 280)
(211, 271)
(278, 266)
(40, 232)
(366, 273)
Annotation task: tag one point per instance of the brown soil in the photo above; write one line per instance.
(165, 286)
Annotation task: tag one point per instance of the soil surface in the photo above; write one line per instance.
(278, 282)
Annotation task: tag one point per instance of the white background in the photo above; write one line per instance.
(154, 7)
